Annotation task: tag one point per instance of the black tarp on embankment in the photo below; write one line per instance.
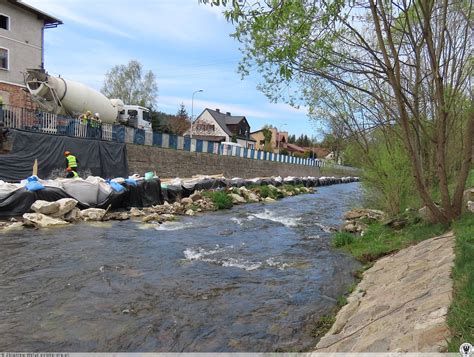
(144, 194)
(96, 157)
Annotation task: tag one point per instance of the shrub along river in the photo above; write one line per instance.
(253, 278)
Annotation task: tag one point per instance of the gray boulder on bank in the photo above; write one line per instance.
(353, 218)
(186, 201)
(237, 199)
(40, 220)
(196, 196)
(73, 215)
(93, 214)
(66, 205)
(360, 213)
(45, 207)
(470, 206)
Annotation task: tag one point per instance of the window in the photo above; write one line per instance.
(4, 22)
(3, 58)
(205, 127)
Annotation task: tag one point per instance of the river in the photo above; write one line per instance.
(253, 278)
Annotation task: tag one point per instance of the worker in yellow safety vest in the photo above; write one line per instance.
(71, 161)
(71, 173)
(85, 117)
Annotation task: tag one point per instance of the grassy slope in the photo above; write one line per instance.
(461, 312)
(380, 240)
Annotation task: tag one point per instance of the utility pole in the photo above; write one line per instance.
(192, 112)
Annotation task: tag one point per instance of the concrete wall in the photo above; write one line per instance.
(177, 163)
(23, 41)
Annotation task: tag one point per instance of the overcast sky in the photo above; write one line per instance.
(185, 44)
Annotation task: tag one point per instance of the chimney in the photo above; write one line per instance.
(218, 110)
(227, 113)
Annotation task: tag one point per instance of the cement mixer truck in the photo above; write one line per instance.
(61, 96)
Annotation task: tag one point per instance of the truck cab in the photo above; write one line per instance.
(136, 116)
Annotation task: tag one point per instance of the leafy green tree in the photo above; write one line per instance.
(267, 134)
(406, 63)
(130, 84)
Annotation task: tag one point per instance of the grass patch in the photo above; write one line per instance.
(323, 325)
(268, 191)
(341, 239)
(461, 312)
(220, 199)
(380, 240)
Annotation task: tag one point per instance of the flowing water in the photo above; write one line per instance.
(254, 278)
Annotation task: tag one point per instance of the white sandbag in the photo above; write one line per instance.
(176, 182)
(94, 179)
(57, 183)
(103, 191)
(82, 190)
(7, 188)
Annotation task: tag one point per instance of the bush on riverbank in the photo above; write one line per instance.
(461, 311)
(220, 199)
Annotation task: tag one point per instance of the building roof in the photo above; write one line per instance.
(295, 148)
(223, 119)
(49, 20)
(320, 152)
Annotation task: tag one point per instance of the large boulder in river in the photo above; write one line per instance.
(40, 220)
(66, 205)
(93, 214)
(45, 207)
(361, 213)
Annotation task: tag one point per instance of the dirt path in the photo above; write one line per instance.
(400, 305)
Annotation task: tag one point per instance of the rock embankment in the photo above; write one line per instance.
(400, 305)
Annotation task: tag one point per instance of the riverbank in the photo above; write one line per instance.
(400, 305)
(405, 300)
(179, 198)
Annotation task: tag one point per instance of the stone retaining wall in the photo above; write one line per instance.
(177, 163)
(400, 305)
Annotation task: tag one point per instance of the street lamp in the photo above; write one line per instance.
(192, 112)
(279, 138)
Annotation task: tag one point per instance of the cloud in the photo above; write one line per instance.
(183, 21)
(65, 13)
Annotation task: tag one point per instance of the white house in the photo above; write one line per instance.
(213, 125)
